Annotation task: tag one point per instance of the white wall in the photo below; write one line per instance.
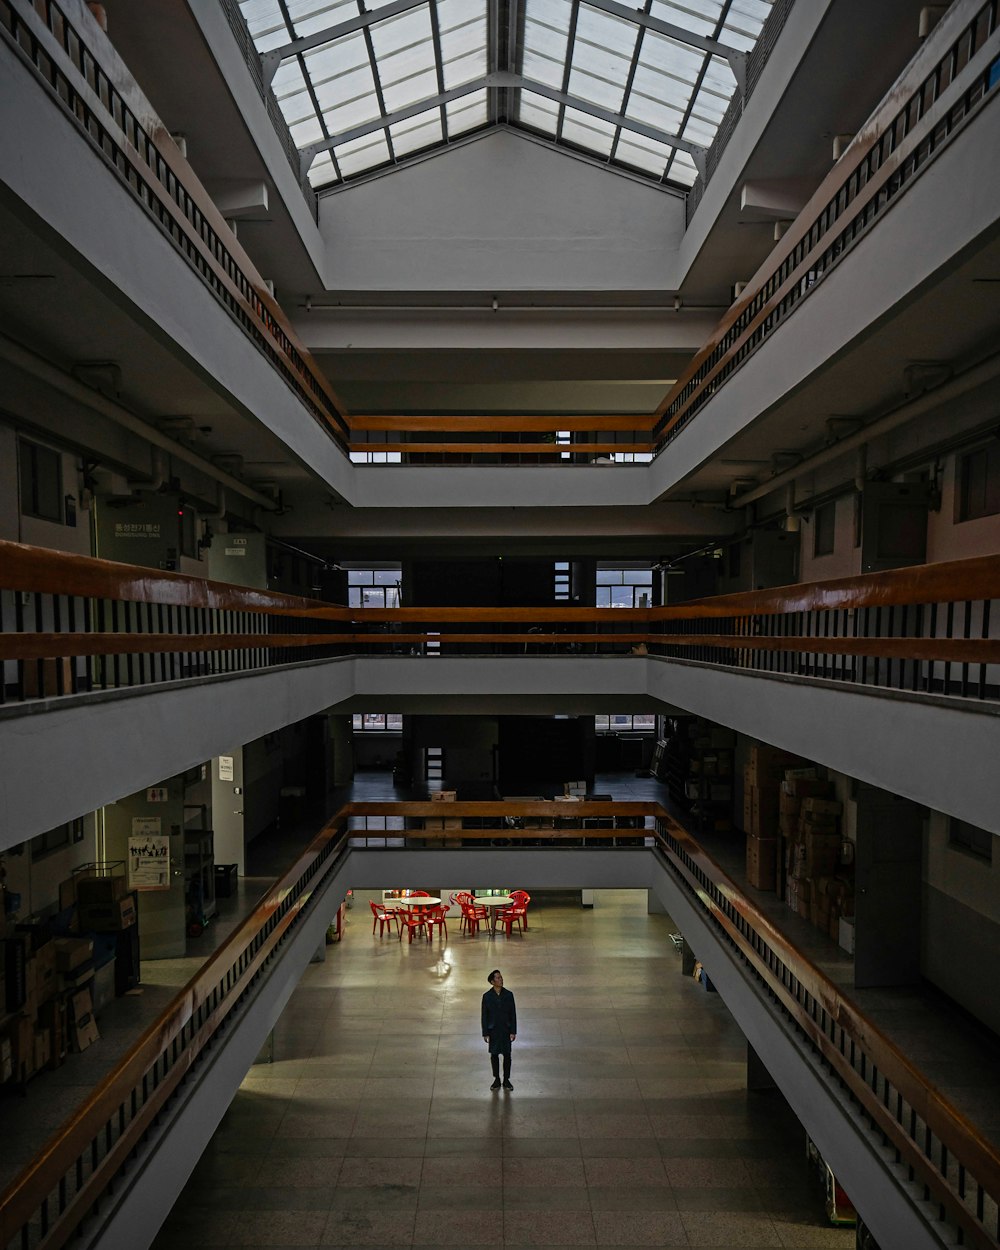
(961, 922)
(502, 214)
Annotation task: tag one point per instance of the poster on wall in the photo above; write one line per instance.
(225, 768)
(148, 855)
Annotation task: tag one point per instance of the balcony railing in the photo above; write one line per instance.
(935, 99)
(62, 45)
(942, 1152)
(72, 624)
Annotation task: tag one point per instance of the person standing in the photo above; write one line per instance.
(499, 1027)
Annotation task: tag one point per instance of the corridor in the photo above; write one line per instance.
(629, 1123)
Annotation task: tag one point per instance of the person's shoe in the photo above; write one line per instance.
(496, 1084)
(507, 1085)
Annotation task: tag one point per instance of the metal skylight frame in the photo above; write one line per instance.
(309, 47)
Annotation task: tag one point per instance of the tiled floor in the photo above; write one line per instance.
(629, 1123)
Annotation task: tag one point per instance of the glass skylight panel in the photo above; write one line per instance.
(362, 154)
(467, 113)
(342, 79)
(588, 132)
(422, 131)
(291, 92)
(309, 16)
(539, 113)
(682, 169)
(602, 53)
(743, 23)
(700, 17)
(462, 28)
(322, 170)
(546, 35)
(266, 23)
(641, 153)
(405, 58)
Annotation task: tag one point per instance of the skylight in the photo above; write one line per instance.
(366, 84)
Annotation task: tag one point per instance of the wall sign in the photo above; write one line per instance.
(225, 768)
(156, 794)
(148, 855)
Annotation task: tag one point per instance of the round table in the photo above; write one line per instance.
(493, 901)
(419, 901)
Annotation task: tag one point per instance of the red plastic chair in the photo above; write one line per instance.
(507, 917)
(436, 916)
(419, 894)
(521, 899)
(381, 916)
(412, 922)
(473, 916)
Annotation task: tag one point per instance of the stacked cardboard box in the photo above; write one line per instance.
(440, 825)
(819, 888)
(761, 802)
(33, 1036)
(762, 862)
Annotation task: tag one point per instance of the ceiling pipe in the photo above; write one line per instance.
(28, 362)
(979, 374)
(157, 473)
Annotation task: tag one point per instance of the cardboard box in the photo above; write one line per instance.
(762, 862)
(444, 796)
(70, 953)
(823, 808)
(821, 854)
(78, 979)
(82, 1025)
(769, 764)
(46, 983)
(107, 889)
(42, 1046)
(748, 809)
(764, 811)
(798, 787)
(55, 677)
(107, 917)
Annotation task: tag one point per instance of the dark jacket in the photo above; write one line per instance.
(499, 1019)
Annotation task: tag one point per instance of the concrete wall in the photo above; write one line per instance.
(90, 742)
(502, 214)
(961, 922)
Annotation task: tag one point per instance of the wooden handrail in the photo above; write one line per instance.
(259, 305)
(963, 1138)
(40, 570)
(702, 875)
(494, 423)
(506, 449)
(22, 1198)
(893, 105)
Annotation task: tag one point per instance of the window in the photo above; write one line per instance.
(979, 483)
(377, 722)
(619, 723)
(373, 588)
(624, 588)
(41, 481)
(560, 587)
(971, 838)
(55, 839)
(825, 529)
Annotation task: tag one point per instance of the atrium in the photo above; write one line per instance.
(526, 402)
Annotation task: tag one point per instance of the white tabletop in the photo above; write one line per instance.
(419, 901)
(495, 900)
